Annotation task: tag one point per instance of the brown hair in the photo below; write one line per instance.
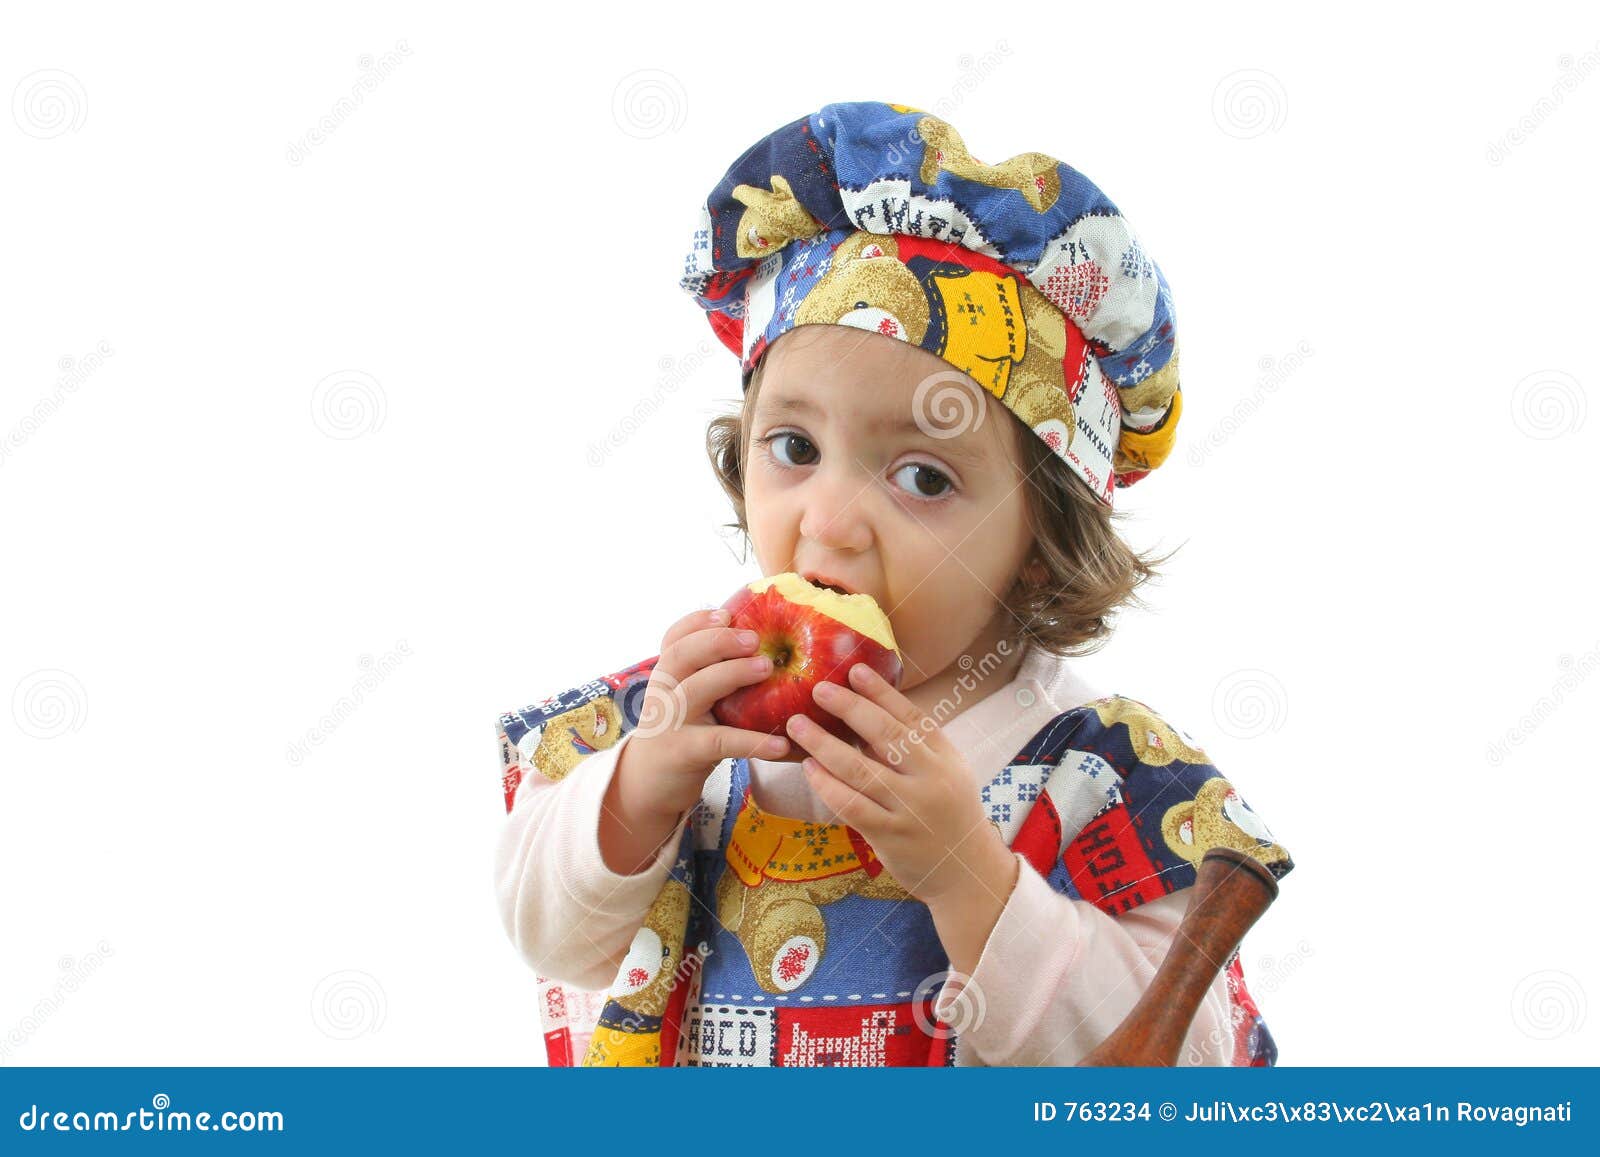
(1081, 571)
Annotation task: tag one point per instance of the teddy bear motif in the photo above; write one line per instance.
(998, 328)
(868, 287)
(565, 739)
(1034, 175)
(1155, 741)
(1218, 817)
(780, 874)
(650, 970)
(771, 219)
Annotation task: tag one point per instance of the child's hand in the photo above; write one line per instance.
(677, 742)
(918, 807)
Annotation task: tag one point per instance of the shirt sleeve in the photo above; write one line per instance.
(570, 916)
(1057, 976)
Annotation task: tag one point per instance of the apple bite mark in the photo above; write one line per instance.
(859, 612)
(812, 635)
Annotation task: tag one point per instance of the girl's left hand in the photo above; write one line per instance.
(918, 807)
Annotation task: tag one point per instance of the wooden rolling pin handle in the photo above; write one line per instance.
(1231, 891)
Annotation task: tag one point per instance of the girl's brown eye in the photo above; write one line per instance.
(926, 481)
(790, 440)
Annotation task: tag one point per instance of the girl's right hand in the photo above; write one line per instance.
(676, 743)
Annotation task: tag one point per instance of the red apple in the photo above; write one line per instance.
(812, 634)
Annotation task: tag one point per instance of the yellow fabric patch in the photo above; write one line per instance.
(763, 845)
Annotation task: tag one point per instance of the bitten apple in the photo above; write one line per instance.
(812, 634)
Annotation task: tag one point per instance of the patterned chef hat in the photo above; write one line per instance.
(1022, 275)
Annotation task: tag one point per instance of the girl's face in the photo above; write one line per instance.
(847, 476)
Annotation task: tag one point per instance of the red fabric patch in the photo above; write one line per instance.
(558, 1047)
(1108, 866)
(869, 858)
(729, 331)
(1039, 839)
(855, 1035)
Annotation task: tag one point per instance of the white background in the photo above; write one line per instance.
(353, 398)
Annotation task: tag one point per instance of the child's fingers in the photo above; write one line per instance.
(694, 621)
(718, 743)
(881, 731)
(912, 727)
(844, 762)
(703, 688)
(702, 649)
(848, 805)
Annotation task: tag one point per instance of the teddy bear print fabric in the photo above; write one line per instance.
(1022, 274)
(783, 942)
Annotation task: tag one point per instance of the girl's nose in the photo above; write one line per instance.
(835, 511)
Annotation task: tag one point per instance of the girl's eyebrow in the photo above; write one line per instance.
(958, 449)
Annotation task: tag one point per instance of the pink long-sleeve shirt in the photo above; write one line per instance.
(1056, 975)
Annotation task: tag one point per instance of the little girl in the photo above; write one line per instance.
(993, 873)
